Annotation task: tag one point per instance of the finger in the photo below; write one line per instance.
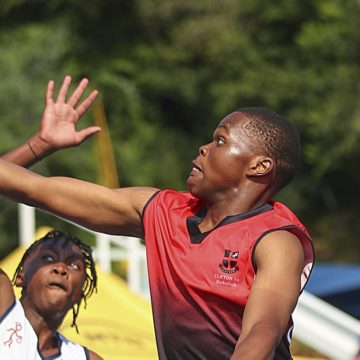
(74, 98)
(82, 135)
(64, 89)
(84, 106)
(49, 92)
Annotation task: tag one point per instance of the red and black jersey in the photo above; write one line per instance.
(200, 282)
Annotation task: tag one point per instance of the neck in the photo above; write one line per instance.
(220, 209)
(44, 327)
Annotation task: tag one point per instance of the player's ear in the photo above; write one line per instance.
(260, 166)
(20, 279)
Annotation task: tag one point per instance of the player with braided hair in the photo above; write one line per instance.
(50, 238)
(55, 273)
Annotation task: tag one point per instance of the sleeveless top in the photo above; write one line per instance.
(200, 282)
(18, 340)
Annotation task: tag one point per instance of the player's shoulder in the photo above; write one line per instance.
(175, 198)
(7, 297)
(94, 356)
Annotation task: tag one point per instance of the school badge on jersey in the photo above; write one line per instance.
(229, 262)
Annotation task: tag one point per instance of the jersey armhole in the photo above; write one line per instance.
(306, 243)
(10, 308)
(147, 203)
(144, 209)
(87, 353)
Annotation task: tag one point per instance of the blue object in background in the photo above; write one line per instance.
(337, 284)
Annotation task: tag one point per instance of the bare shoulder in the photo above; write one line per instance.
(95, 356)
(116, 211)
(279, 248)
(138, 196)
(143, 191)
(7, 293)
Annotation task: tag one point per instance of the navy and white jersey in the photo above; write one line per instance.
(18, 340)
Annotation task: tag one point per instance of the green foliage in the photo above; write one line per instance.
(169, 70)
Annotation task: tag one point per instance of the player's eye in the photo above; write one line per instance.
(48, 258)
(74, 265)
(219, 140)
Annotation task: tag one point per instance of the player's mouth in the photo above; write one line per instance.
(57, 285)
(195, 168)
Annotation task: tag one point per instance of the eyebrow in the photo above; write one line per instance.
(72, 255)
(76, 257)
(224, 126)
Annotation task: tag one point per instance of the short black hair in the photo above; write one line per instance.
(90, 283)
(278, 137)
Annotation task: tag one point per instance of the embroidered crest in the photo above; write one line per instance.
(229, 263)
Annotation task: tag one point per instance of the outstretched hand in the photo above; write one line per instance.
(60, 117)
(58, 125)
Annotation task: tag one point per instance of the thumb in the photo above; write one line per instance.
(82, 135)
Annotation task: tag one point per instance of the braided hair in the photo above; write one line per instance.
(90, 283)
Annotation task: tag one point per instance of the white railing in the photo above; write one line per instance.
(111, 248)
(325, 328)
(26, 220)
(317, 324)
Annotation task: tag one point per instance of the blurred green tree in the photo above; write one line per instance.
(169, 70)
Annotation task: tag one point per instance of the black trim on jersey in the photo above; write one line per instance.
(11, 307)
(192, 223)
(56, 355)
(52, 357)
(87, 353)
(148, 202)
(286, 228)
(59, 353)
(144, 208)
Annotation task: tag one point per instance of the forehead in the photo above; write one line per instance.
(234, 125)
(60, 246)
(234, 121)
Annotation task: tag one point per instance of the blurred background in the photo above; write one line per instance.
(168, 71)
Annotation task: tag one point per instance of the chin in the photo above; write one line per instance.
(57, 305)
(58, 302)
(196, 191)
(191, 186)
(193, 192)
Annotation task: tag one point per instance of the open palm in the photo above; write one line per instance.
(60, 118)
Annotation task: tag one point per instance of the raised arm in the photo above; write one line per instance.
(90, 205)
(279, 258)
(58, 124)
